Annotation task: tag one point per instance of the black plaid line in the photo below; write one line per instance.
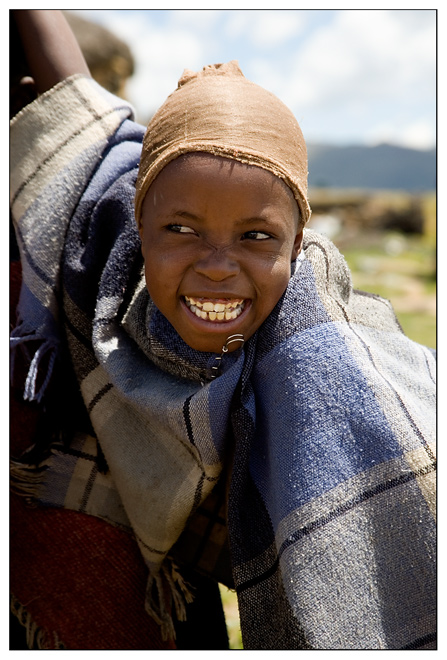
(78, 334)
(148, 547)
(332, 515)
(88, 488)
(198, 493)
(399, 399)
(46, 160)
(368, 350)
(187, 417)
(259, 578)
(78, 453)
(420, 641)
(190, 434)
(86, 103)
(351, 504)
(98, 396)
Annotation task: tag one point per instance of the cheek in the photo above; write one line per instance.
(160, 275)
(280, 272)
(273, 283)
(158, 260)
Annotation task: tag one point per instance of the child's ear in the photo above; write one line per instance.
(298, 244)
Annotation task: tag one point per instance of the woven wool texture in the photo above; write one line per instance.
(80, 597)
(329, 408)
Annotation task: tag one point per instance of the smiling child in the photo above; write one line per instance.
(239, 390)
(218, 239)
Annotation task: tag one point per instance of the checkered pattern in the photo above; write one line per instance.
(326, 416)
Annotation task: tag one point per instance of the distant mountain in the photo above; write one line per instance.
(382, 167)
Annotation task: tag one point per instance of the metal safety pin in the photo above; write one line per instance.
(230, 340)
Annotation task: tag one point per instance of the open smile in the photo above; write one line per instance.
(221, 310)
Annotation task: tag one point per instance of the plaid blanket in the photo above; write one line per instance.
(326, 416)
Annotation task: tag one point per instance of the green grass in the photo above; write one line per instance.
(397, 266)
(403, 270)
(229, 601)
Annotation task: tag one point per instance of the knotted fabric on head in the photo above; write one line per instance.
(220, 112)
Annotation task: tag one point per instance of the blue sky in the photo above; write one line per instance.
(350, 76)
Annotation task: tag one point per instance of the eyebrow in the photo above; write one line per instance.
(186, 215)
(243, 221)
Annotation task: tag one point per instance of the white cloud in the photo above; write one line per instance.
(237, 25)
(366, 53)
(272, 28)
(161, 52)
(350, 75)
(196, 20)
(264, 29)
(419, 135)
(361, 68)
(416, 135)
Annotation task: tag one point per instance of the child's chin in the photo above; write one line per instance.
(213, 344)
(207, 345)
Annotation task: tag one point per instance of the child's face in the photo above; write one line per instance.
(218, 238)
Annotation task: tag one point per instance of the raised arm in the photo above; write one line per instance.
(50, 47)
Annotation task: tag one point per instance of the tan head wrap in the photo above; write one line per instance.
(220, 112)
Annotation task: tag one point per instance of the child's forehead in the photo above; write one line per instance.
(206, 169)
(222, 168)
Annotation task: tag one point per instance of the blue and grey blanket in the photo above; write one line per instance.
(324, 421)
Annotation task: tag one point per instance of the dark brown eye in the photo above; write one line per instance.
(256, 235)
(181, 229)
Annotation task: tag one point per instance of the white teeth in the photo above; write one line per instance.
(210, 311)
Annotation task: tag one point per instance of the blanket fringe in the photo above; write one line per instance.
(48, 348)
(166, 590)
(36, 637)
(25, 480)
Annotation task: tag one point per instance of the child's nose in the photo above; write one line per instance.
(216, 265)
